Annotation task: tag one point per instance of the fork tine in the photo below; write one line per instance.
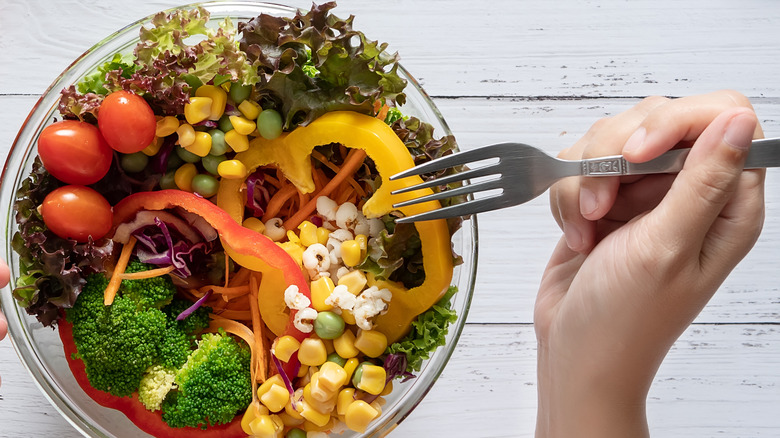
(465, 190)
(472, 173)
(447, 161)
(464, 209)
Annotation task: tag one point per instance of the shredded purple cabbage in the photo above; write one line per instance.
(188, 311)
(159, 162)
(156, 246)
(255, 190)
(395, 366)
(285, 378)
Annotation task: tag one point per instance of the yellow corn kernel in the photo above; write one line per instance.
(372, 343)
(238, 142)
(218, 98)
(232, 169)
(322, 401)
(186, 135)
(355, 281)
(292, 237)
(242, 125)
(312, 352)
(293, 413)
(309, 426)
(290, 421)
(350, 367)
(348, 317)
(252, 412)
(321, 289)
(322, 235)
(294, 250)
(197, 109)
(275, 398)
(373, 379)
(202, 144)
(226, 86)
(263, 426)
(308, 233)
(303, 370)
(153, 147)
(331, 376)
(345, 345)
(254, 224)
(362, 240)
(313, 415)
(284, 347)
(377, 404)
(350, 252)
(345, 398)
(388, 389)
(249, 109)
(276, 379)
(166, 126)
(329, 345)
(183, 176)
(359, 414)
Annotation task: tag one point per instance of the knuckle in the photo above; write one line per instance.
(738, 99)
(715, 187)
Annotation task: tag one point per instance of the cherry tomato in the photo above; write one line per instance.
(126, 121)
(74, 152)
(77, 212)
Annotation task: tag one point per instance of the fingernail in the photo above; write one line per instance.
(573, 237)
(635, 142)
(588, 201)
(739, 131)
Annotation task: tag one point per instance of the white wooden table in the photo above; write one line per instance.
(534, 71)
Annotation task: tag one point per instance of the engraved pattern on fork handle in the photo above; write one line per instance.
(604, 166)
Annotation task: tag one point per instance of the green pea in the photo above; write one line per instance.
(218, 145)
(269, 124)
(295, 433)
(224, 123)
(211, 162)
(358, 374)
(174, 162)
(167, 181)
(205, 185)
(186, 156)
(328, 325)
(334, 357)
(239, 92)
(134, 163)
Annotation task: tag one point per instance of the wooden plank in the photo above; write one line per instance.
(464, 48)
(717, 380)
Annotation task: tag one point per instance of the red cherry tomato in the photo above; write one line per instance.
(74, 152)
(127, 122)
(77, 212)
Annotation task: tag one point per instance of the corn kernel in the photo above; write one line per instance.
(303, 370)
(254, 224)
(197, 109)
(294, 250)
(186, 135)
(355, 281)
(242, 125)
(232, 169)
(351, 366)
(372, 343)
(238, 142)
(265, 427)
(308, 233)
(359, 414)
(348, 317)
(345, 345)
(329, 345)
(373, 379)
(321, 289)
(312, 352)
(292, 237)
(293, 413)
(321, 400)
(183, 176)
(218, 98)
(350, 252)
(284, 347)
(290, 421)
(252, 412)
(202, 144)
(388, 389)
(377, 405)
(331, 376)
(275, 398)
(166, 126)
(313, 415)
(276, 379)
(311, 427)
(345, 398)
(322, 235)
(153, 147)
(249, 109)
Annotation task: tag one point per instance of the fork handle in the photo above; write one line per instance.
(763, 153)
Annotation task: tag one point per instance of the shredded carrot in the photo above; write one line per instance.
(227, 270)
(319, 179)
(351, 163)
(238, 315)
(257, 328)
(241, 277)
(243, 332)
(273, 181)
(116, 280)
(146, 274)
(278, 200)
(226, 292)
(324, 160)
(383, 112)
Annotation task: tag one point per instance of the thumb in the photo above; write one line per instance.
(708, 180)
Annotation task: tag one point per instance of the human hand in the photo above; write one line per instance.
(640, 258)
(5, 276)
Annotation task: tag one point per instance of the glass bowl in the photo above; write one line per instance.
(40, 348)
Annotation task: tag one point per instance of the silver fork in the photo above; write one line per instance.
(524, 172)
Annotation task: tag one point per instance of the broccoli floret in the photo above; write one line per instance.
(180, 336)
(213, 386)
(194, 322)
(155, 292)
(155, 385)
(118, 342)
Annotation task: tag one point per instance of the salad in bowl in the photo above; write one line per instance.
(204, 238)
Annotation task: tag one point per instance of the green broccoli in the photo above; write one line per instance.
(155, 292)
(213, 386)
(179, 337)
(155, 385)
